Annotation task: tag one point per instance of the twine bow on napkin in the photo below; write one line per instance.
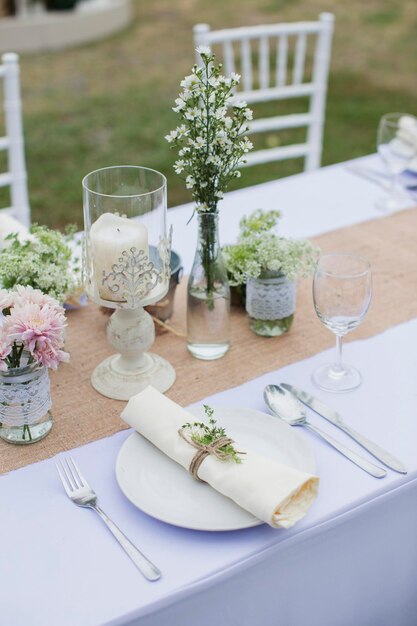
(205, 449)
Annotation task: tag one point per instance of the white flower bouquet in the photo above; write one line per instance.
(211, 139)
(211, 145)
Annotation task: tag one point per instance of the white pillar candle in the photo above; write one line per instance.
(110, 236)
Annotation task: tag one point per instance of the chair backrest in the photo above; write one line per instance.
(262, 55)
(15, 177)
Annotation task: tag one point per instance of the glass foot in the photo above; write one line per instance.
(337, 380)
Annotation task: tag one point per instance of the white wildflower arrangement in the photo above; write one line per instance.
(260, 252)
(211, 139)
(43, 261)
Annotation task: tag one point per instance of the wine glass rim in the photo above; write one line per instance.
(351, 274)
(130, 195)
(392, 118)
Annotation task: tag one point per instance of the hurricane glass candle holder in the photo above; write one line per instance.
(126, 267)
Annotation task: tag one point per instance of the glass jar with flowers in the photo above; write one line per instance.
(211, 146)
(31, 342)
(268, 265)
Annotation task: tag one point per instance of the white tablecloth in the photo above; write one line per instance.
(352, 560)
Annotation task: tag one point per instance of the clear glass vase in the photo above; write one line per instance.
(25, 402)
(208, 296)
(270, 304)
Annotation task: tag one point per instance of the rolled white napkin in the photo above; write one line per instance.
(276, 494)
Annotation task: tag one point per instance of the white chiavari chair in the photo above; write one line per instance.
(15, 177)
(272, 60)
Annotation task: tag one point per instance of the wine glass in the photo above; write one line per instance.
(397, 146)
(342, 288)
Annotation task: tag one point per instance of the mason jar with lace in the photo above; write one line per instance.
(25, 402)
(270, 303)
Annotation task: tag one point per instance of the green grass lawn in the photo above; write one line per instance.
(110, 103)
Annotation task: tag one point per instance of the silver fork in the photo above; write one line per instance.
(80, 492)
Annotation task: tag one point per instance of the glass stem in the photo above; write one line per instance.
(339, 345)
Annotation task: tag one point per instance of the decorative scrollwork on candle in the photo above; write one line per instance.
(132, 278)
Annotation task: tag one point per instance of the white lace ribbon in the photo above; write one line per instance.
(27, 401)
(270, 298)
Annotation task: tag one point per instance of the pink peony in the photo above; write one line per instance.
(39, 328)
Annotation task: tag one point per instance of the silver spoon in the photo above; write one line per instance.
(286, 406)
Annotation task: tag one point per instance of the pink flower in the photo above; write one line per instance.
(29, 295)
(49, 358)
(39, 328)
(6, 299)
(36, 322)
(5, 349)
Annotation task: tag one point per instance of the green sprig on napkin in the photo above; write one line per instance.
(206, 434)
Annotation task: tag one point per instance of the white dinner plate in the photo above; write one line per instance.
(163, 489)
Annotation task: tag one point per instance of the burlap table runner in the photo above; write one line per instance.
(82, 415)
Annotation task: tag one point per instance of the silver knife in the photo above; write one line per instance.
(333, 416)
